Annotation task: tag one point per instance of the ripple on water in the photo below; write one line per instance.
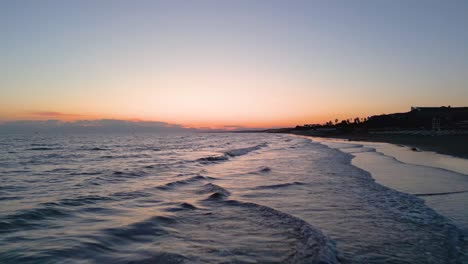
(152, 199)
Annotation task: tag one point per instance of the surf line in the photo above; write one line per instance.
(442, 193)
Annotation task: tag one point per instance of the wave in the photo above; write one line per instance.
(312, 247)
(143, 231)
(364, 149)
(243, 151)
(106, 177)
(42, 148)
(173, 184)
(97, 149)
(129, 156)
(102, 252)
(262, 170)
(217, 192)
(212, 188)
(10, 198)
(411, 208)
(52, 155)
(441, 193)
(161, 257)
(182, 206)
(276, 186)
(418, 165)
(358, 150)
(230, 153)
(347, 145)
(188, 206)
(131, 195)
(132, 174)
(38, 144)
(59, 170)
(217, 196)
(38, 214)
(213, 159)
(82, 200)
(86, 173)
(147, 149)
(12, 188)
(30, 218)
(194, 173)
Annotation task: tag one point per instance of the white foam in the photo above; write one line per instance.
(402, 153)
(418, 173)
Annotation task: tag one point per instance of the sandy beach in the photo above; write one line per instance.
(454, 145)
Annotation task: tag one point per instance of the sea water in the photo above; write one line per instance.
(210, 198)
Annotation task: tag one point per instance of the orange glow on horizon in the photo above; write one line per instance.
(225, 124)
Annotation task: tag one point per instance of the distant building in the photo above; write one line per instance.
(445, 116)
(430, 118)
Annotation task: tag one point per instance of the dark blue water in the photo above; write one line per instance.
(205, 198)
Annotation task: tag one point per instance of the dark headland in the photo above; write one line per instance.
(440, 129)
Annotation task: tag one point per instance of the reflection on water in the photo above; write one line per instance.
(205, 198)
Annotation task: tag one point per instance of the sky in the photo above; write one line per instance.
(229, 63)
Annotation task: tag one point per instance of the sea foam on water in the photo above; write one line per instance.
(219, 198)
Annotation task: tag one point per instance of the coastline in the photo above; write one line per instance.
(453, 145)
(438, 179)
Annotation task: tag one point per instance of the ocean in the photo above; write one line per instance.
(217, 198)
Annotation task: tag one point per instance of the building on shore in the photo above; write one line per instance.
(428, 118)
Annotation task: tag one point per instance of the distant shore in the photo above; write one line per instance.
(454, 145)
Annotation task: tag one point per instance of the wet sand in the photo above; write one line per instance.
(454, 145)
(440, 180)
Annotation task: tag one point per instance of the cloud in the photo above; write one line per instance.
(101, 125)
(50, 114)
(233, 126)
(240, 128)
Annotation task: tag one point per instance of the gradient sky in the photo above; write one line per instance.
(238, 63)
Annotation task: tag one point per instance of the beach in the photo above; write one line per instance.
(441, 180)
(454, 145)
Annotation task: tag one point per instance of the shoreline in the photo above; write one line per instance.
(439, 180)
(453, 145)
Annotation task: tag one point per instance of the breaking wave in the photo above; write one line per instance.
(439, 193)
(213, 159)
(244, 151)
(123, 200)
(262, 170)
(230, 153)
(173, 184)
(217, 192)
(312, 247)
(42, 148)
(276, 186)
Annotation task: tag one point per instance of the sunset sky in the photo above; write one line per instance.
(230, 63)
